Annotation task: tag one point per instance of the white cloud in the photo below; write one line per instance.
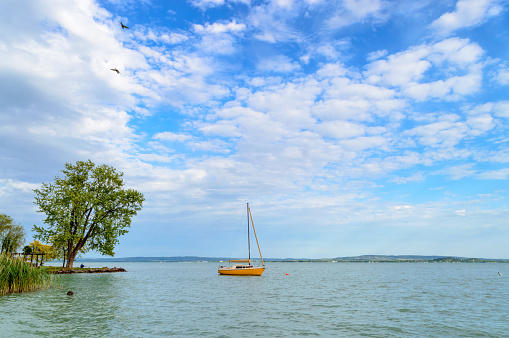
(157, 158)
(218, 28)
(411, 68)
(459, 172)
(174, 38)
(248, 122)
(218, 45)
(480, 124)
(286, 4)
(222, 129)
(468, 13)
(501, 174)
(345, 88)
(417, 177)
(331, 70)
(461, 212)
(459, 59)
(459, 52)
(287, 104)
(499, 109)
(502, 76)
(172, 137)
(266, 81)
(347, 99)
(278, 64)
(340, 129)
(26, 187)
(219, 37)
(305, 59)
(450, 89)
(210, 145)
(365, 142)
(145, 34)
(205, 4)
(276, 22)
(266, 36)
(342, 110)
(376, 55)
(439, 134)
(331, 51)
(354, 11)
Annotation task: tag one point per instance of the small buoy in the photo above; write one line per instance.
(70, 293)
(500, 274)
(288, 274)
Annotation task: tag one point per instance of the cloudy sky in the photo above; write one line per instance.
(351, 127)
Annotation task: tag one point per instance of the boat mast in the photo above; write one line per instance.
(260, 251)
(248, 240)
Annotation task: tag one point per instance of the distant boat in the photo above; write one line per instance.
(245, 269)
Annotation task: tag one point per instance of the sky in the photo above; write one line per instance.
(351, 127)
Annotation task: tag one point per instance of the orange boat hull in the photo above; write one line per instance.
(233, 271)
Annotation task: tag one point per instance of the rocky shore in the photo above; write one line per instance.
(88, 270)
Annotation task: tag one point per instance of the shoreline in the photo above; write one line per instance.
(347, 259)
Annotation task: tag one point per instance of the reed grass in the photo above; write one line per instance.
(19, 276)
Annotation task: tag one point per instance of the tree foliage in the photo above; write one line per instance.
(12, 235)
(50, 252)
(27, 250)
(87, 209)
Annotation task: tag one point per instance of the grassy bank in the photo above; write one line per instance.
(57, 268)
(19, 276)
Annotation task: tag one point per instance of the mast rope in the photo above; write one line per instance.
(258, 244)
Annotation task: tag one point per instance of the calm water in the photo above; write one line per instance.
(329, 299)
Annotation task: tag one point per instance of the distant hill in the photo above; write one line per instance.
(363, 258)
(154, 259)
(415, 258)
(382, 258)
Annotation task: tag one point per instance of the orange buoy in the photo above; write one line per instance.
(287, 274)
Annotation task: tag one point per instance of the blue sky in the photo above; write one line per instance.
(352, 127)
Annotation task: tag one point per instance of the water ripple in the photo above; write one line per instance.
(189, 299)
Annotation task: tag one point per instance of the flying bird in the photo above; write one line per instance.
(123, 26)
(115, 70)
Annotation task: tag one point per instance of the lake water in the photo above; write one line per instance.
(328, 299)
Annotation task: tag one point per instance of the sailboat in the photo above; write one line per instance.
(245, 269)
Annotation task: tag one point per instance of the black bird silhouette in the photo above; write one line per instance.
(123, 26)
(115, 70)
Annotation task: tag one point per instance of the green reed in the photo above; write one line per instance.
(19, 276)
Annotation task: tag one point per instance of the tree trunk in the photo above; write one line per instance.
(70, 260)
(70, 256)
(72, 253)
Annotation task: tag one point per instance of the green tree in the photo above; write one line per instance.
(27, 250)
(87, 209)
(12, 235)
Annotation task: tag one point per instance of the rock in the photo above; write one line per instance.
(89, 270)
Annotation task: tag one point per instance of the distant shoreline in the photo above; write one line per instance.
(353, 259)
